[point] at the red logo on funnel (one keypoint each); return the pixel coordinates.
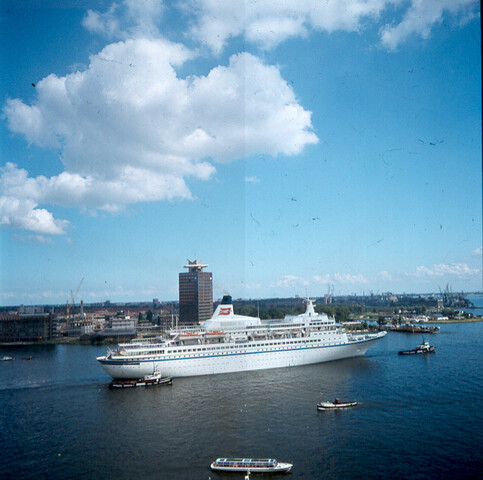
(225, 311)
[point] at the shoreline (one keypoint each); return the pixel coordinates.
(78, 341)
(466, 320)
(56, 341)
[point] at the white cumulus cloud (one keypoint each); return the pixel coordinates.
(443, 269)
(130, 18)
(385, 276)
(422, 15)
(24, 214)
(347, 278)
(34, 238)
(292, 281)
(130, 130)
(267, 23)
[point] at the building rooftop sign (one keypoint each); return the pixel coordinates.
(195, 266)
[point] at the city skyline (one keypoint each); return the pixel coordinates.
(330, 147)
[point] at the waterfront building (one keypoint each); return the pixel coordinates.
(26, 327)
(195, 293)
(31, 309)
(80, 325)
(121, 325)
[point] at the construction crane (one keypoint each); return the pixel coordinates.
(73, 295)
(71, 309)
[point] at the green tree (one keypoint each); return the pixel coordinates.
(274, 313)
(381, 320)
(420, 309)
(341, 313)
(448, 312)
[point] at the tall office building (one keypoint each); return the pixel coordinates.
(195, 293)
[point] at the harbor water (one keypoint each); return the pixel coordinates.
(419, 417)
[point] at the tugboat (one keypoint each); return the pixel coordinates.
(425, 347)
(152, 379)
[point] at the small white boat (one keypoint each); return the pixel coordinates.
(251, 465)
(6, 358)
(151, 379)
(336, 404)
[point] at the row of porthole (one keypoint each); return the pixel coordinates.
(206, 355)
(212, 353)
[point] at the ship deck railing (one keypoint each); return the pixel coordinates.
(253, 328)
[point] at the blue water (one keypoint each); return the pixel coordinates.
(419, 417)
(477, 301)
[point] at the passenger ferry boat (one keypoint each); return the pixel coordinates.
(234, 343)
(253, 465)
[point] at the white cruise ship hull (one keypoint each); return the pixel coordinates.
(239, 359)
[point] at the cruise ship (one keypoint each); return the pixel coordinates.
(235, 343)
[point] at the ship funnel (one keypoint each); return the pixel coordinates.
(226, 300)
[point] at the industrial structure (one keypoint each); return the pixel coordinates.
(195, 293)
(26, 327)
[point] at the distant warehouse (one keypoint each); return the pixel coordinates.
(26, 327)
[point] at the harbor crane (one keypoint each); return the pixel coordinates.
(72, 296)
